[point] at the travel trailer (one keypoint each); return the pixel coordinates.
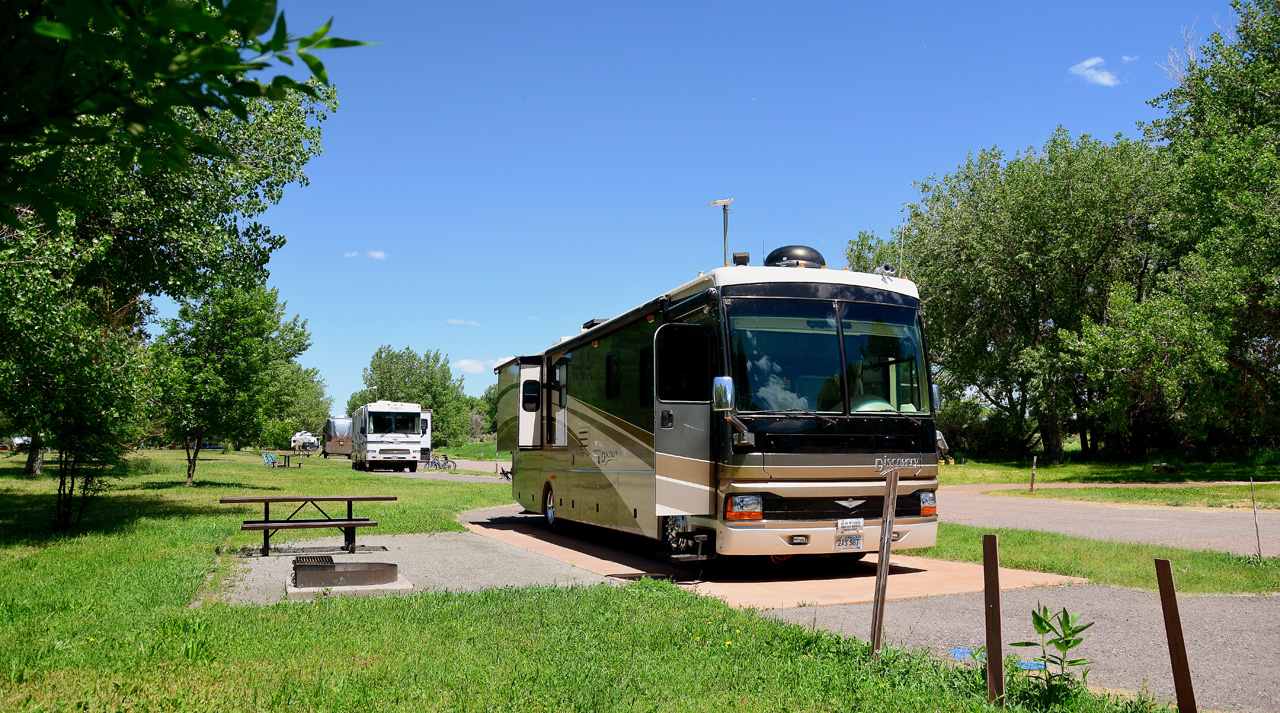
(304, 441)
(386, 436)
(424, 454)
(755, 410)
(336, 437)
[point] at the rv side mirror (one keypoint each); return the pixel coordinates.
(937, 399)
(722, 393)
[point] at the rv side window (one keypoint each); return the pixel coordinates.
(613, 374)
(646, 377)
(684, 363)
(531, 393)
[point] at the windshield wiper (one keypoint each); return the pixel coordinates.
(896, 412)
(806, 412)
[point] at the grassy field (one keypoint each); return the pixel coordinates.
(1117, 563)
(105, 619)
(476, 451)
(1014, 472)
(1207, 496)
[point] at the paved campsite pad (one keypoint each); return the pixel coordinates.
(451, 561)
(1233, 642)
(743, 582)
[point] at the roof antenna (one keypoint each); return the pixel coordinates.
(724, 204)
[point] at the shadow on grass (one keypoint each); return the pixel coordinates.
(199, 485)
(26, 519)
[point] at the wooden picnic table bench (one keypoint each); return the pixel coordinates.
(269, 527)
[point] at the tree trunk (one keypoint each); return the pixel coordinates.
(35, 457)
(192, 455)
(1051, 434)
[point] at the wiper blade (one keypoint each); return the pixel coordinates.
(805, 412)
(896, 412)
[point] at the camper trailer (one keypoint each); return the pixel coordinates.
(303, 441)
(336, 437)
(386, 436)
(755, 410)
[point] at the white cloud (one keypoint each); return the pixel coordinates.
(471, 322)
(476, 366)
(533, 318)
(1093, 73)
(377, 255)
(1128, 58)
(351, 253)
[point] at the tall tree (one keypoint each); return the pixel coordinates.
(296, 401)
(215, 363)
(1016, 255)
(1223, 133)
(425, 379)
(77, 73)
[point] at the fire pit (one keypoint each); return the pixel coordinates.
(322, 571)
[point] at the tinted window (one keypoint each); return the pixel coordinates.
(613, 374)
(530, 391)
(684, 363)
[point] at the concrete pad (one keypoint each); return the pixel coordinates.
(746, 582)
(400, 586)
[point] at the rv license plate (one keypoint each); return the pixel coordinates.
(848, 525)
(848, 542)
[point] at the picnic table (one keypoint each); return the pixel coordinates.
(269, 527)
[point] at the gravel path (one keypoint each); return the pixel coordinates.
(452, 561)
(1230, 531)
(1233, 642)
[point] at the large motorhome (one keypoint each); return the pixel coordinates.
(386, 436)
(751, 411)
(336, 439)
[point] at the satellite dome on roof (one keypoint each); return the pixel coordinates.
(795, 256)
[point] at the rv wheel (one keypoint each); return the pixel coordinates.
(672, 526)
(413, 467)
(549, 508)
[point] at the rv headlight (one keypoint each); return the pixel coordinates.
(928, 503)
(744, 507)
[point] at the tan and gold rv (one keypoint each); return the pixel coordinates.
(755, 410)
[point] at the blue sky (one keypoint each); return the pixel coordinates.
(499, 173)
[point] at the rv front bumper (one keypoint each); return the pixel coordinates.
(795, 538)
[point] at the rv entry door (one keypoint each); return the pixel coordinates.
(686, 475)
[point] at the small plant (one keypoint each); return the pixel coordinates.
(1060, 632)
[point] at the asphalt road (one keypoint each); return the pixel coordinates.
(1195, 529)
(1233, 642)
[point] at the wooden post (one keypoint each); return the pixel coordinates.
(1177, 647)
(1033, 473)
(1256, 532)
(995, 643)
(882, 564)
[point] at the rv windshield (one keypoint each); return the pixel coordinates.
(382, 422)
(786, 357)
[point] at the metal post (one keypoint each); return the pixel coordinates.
(882, 564)
(1256, 532)
(266, 534)
(725, 208)
(995, 643)
(1033, 473)
(1177, 647)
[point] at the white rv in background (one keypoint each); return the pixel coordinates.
(386, 436)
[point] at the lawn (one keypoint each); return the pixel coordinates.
(476, 451)
(105, 619)
(1206, 496)
(1121, 564)
(976, 472)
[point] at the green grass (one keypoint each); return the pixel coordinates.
(1120, 564)
(1209, 496)
(100, 620)
(1015, 472)
(476, 451)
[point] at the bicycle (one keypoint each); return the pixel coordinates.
(441, 462)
